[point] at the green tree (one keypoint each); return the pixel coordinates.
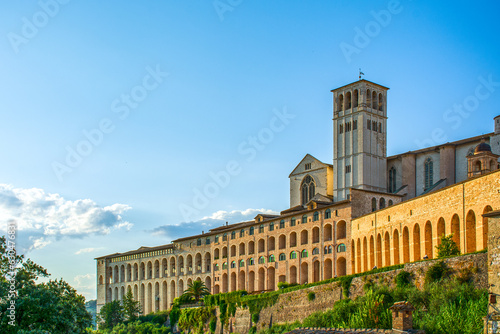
(110, 315)
(131, 308)
(197, 290)
(53, 306)
(447, 247)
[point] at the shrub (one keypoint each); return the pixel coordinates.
(311, 296)
(447, 247)
(255, 318)
(402, 279)
(437, 272)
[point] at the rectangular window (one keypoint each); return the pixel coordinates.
(341, 128)
(348, 168)
(368, 125)
(292, 222)
(308, 166)
(374, 127)
(355, 125)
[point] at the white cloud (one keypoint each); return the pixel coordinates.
(43, 218)
(88, 250)
(216, 219)
(84, 282)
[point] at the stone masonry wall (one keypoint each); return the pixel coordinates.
(295, 305)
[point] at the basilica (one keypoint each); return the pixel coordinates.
(363, 210)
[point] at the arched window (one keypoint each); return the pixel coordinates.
(391, 202)
(224, 237)
(233, 264)
(271, 226)
(262, 260)
(308, 189)
(292, 222)
(374, 204)
(348, 100)
(328, 214)
(224, 265)
(380, 102)
(477, 167)
(316, 216)
(315, 251)
(251, 230)
(355, 98)
(198, 242)
(293, 255)
(429, 173)
(251, 261)
(282, 257)
(382, 203)
(330, 249)
(368, 98)
(242, 233)
(216, 267)
(271, 258)
(341, 248)
(304, 219)
(392, 180)
(233, 234)
(341, 102)
(282, 223)
(216, 239)
(242, 263)
(261, 228)
(303, 254)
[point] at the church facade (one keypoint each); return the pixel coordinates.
(363, 210)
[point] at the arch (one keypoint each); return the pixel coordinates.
(136, 272)
(233, 282)
(341, 229)
(303, 237)
(315, 216)
(316, 273)
(271, 277)
(353, 257)
(164, 296)
(374, 100)
(251, 281)
(282, 223)
(164, 267)
(241, 280)
(477, 166)
(271, 244)
(441, 229)
(208, 261)
(328, 267)
(136, 292)
(181, 287)
(348, 101)
(261, 245)
(304, 219)
(156, 272)
(365, 254)
(341, 102)
(416, 242)
(172, 266)
(484, 226)
(390, 203)
(181, 264)
(315, 235)
(100, 279)
(149, 299)
(358, 256)
(304, 254)
(150, 270)
(156, 297)
(224, 252)
(380, 102)
(379, 251)
(115, 275)
(242, 248)
(395, 245)
(282, 257)
(327, 232)
(304, 271)
(293, 255)
(208, 283)
(143, 270)
(262, 279)
(251, 247)
(355, 97)
(172, 291)
(341, 266)
(406, 245)
(341, 248)
(372, 252)
(368, 98)
(455, 229)
(142, 298)
(225, 284)
(282, 241)
(470, 231)
(189, 263)
(428, 239)
(374, 204)
(293, 239)
(233, 250)
(308, 189)
(382, 203)
(315, 251)
(216, 289)
(328, 213)
(387, 244)
(293, 275)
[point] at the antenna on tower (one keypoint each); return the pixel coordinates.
(360, 74)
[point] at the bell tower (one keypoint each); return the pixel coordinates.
(359, 138)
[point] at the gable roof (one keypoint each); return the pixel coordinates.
(308, 156)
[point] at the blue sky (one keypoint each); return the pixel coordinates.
(171, 93)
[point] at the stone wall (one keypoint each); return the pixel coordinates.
(295, 305)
